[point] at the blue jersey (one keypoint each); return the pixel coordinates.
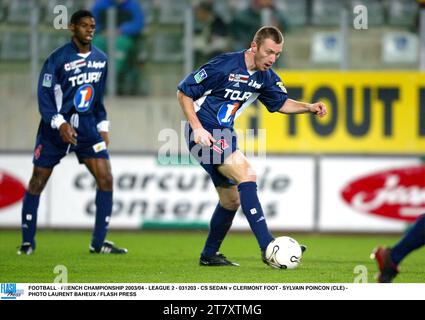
(223, 88)
(71, 82)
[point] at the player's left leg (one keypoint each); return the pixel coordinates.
(100, 168)
(220, 224)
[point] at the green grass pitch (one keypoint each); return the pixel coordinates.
(172, 257)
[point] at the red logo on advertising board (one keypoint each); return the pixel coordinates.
(397, 193)
(11, 189)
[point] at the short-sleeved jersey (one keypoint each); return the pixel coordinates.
(223, 88)
(71, 82)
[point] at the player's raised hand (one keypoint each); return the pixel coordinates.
(68, 134)
(318, 108)
(203, 137)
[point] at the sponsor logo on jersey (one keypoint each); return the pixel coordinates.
(83, 98)
(255, 84)
(200, 76)
(76, 64)
(226, 113)
(87, 77)
(96, 64)
(47, 80)
(238, 78)
(237, 95)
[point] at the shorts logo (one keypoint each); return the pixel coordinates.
(220, 146)
(37, 152)
(200, 76)
(99, 146)
(47, 80)
(83, 98)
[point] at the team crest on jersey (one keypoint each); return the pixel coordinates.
(47, 80)
(200, 76)
(238, 78)
(83, 98)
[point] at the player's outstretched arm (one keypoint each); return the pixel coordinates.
(201, 136)
(293, 106)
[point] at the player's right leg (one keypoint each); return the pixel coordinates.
(237, 168)
(38, 181)
(48, 152)
(220, 224)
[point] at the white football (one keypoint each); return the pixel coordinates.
(284, 253)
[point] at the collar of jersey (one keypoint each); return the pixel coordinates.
(76, 48)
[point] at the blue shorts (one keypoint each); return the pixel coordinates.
(50, 148)
(212, 157)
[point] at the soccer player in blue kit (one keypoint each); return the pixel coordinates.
(73, 119)
(211, 99)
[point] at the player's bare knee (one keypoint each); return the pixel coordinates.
(231, 204)
(36, 184)
(105, 182)
(249, 176)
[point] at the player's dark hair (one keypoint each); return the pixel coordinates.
(78, 15)
(268, 32)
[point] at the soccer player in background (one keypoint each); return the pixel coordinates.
(212, 98)
(73, 119)
(388, 259)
